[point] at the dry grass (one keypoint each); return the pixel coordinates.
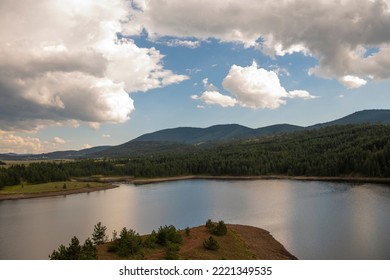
(240, 243)
(47, 187)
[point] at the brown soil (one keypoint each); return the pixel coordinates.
(262, 243)
(240, 243)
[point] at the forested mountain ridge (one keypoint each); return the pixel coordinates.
(361, 117)
(337, 151)
(190, 138)
(193, 135)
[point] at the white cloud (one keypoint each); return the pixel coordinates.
(352, 81)
(61, 63)
(106, 135)
(255, 87)
(336, 33)
(280, 71)
(59, 141)
(87, 146)
(251, 87)
(182, 43)
(300, 94)
(216, 98)
(12, 143)
(193, 70)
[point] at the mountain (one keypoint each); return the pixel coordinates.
(187, 138)
(194, 135)
(216, 133)
(69, 154)
(361, 117)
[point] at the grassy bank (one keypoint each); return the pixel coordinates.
(50, 189)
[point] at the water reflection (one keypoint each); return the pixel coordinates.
(314, 220)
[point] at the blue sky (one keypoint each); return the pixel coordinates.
(105, 72)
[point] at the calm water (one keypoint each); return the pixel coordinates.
(313, 220)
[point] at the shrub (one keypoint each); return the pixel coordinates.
(75, 251)
(88, 251)
(188, 231)
(128, 243)
(210, 225)
(218, 229)
(172, 251)
(168, 234)
(150, 241)
(114, 235)
(211, 244)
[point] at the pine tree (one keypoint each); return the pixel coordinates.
(99, 234)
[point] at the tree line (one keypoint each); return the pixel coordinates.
(350, 150)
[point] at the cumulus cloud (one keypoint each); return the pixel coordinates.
(337, 33)
(11, 143)
(58, 140)
(251, 87)
(300, 94)
(62, 63)
(255, 87)
(352, 81)
(216, 98)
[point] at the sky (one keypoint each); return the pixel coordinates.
(78, 74)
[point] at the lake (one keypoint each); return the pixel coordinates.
(313, 220)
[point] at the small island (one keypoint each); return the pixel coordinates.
(212, 241)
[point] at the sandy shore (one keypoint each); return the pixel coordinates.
(54, 193)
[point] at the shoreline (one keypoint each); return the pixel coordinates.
(54, 193)
(372, 180)
(146, 181)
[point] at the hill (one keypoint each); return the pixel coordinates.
(333, 151)
(240, 243)
(69, 154)
(187, 139)
(190, 138)
(361, 117)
